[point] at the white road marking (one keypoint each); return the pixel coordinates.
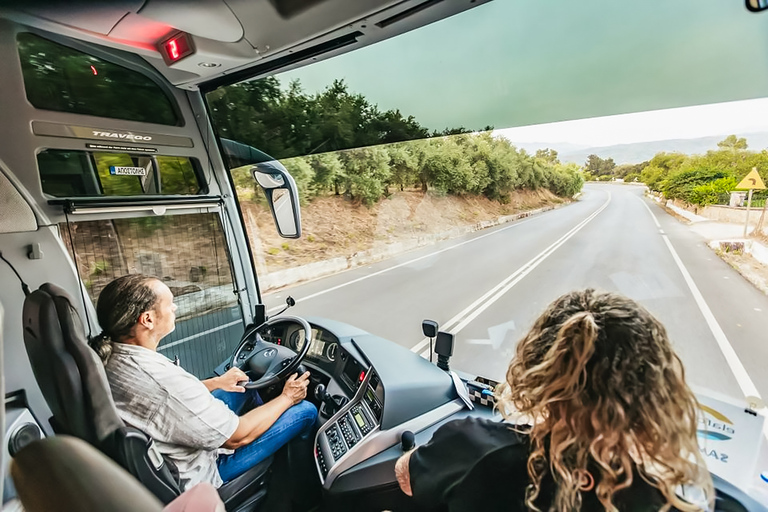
(748, 387)
(414, 260)
(458, 322)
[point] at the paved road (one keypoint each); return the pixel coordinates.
(488, 287)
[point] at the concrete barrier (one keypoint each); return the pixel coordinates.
(719, 213)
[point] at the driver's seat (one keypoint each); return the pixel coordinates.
(74, 384)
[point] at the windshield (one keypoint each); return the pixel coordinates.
(424, 195)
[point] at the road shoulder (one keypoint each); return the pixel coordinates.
(749, 257)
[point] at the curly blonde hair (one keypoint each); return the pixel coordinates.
(597, 378)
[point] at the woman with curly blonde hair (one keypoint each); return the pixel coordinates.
(612, 422)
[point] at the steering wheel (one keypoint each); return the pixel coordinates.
(269, 362)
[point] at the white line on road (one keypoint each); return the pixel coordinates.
(414, 260)
(748, 387)
(458, 322)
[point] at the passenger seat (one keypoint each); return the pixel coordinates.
(63, 473)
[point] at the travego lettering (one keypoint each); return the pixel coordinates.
(128, 136)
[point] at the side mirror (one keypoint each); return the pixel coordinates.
(282, 196)
(429, 328)
(756, 5)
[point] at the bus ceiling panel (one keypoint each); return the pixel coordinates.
(139, 29)
(96, 17)
(270, 32)
(232, 35)
(212, 19)
(136, 21)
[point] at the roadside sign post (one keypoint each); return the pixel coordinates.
(751, 181)
(749, 206)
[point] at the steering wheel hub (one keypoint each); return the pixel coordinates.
(269, 362)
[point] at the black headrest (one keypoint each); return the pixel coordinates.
(69, 373)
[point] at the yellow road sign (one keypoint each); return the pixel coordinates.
(751, 181)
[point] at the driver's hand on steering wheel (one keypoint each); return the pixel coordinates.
(295, 388)
(231, 380)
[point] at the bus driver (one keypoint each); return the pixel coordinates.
(212, 430)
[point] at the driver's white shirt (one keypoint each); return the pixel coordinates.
(173, 407)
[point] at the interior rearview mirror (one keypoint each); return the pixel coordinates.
(757, 5)
(282, 196)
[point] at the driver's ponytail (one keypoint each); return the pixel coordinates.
(102, 345)
(573, 348)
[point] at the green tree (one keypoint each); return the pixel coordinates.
(622, 170)
(599, 166)
(367, 171)
(404, 164)
(732, 143)
(548, 155)
(328, 172)
(302, 172)
(660, 167)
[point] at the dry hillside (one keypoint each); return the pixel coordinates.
(333, 226)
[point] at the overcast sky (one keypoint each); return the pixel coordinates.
(679, 123)
(515, 63)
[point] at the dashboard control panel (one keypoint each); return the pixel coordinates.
(352, 424)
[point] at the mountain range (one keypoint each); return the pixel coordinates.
(642, 151)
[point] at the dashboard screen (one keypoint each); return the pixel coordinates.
(359, 419)
(352, 372)
(323, 347)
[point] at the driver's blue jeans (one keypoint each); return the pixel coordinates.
(296, 421)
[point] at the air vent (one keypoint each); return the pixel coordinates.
(407, 13)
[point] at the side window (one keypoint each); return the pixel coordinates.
(189, 254)
(81, 174)
(60, 78)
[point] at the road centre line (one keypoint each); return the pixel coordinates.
(748, 387)
(461, 320)
(414, 260)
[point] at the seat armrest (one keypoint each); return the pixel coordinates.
(135, 452)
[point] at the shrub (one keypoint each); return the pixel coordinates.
(713, 192)
(681, 185)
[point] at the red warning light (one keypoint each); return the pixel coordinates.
(361, 378)
(176, 47)
(94, 71)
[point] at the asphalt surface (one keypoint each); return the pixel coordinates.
(488, 288)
